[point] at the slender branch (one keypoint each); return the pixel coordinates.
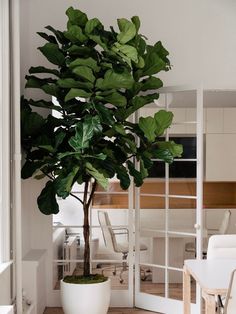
(47, 175)
(92, 192)
(71, 194)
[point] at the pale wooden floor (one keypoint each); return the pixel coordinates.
(58, 310)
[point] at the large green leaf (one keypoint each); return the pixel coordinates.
(123, 176)
(138, 178)
(59, 35)
(116, 99)
(44, 104)
(95, 123)
(83, 135)
(163, 120)
(135, 19)
(92, 24)
(98, 176)
(175, 149)
(148, 126)
(115, 80)
(153, 64)
(64, 182)
(49, 38)
(89, 62)
(105, 114)
(41, 69)
(151, 83)
(126, 51)
(47, 202)
(53, 53)
(31, 123)
(30, 167)
(71, 83)
(84, 72)
(75, 92)
(76, 17)
(75, 34)
(127, 30)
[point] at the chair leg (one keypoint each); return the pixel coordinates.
(124, 266)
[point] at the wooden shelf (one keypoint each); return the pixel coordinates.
(215, 195)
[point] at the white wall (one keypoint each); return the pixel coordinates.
(200, 35)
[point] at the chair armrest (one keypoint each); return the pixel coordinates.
(120, 231)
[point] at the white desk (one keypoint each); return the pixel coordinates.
(213, 276)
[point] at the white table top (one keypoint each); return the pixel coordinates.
(212, 275)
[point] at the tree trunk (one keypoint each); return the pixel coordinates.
(86, 241)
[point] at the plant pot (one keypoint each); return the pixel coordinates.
(85, 298)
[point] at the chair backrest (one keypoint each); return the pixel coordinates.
(225, 222)
(222, 247)
(107, 232)
(230, 302)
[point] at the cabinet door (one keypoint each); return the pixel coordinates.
(220, 157)
(229, 120)
(214, 120)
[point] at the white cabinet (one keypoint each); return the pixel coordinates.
(214, 120)
(220, 157)
(34, 279)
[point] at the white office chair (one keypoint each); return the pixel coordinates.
(190, 247)
(230, 302)
(222, 247)
(110, 234)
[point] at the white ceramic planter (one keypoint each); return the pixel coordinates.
(85, 298)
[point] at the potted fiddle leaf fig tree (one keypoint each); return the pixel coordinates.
(100, 78)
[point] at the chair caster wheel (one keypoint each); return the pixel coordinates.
(114, 273)
(121, 280)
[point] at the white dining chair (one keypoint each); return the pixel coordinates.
(230, 301)
(222, 247)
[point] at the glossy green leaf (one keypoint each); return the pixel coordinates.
(116, 99)
(84, 72)
(115, 80)
(29, 168)
(75, 92)
(175, 149)
(59, 35)
(41, 69)
(75, 34)
(123, 176)
(47, 202)
(49, 38)
(153, 64)
(138, 179)
(53, 53)
(148, 126)
(63, 183)
(135, 19)
(127, 30)
(151, 83)
(98, 176)
(32, 123)
(72, 83)
(76, 17)
(127, 51)
(83, 135)
(163, 120)
(92, 24)
(89, 62)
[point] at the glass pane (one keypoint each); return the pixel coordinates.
(180, 248)
(152, 185)
(153, 283)
(183, 187)
(175, 285)
(152, 219)
(177, 202)
(182, 220)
